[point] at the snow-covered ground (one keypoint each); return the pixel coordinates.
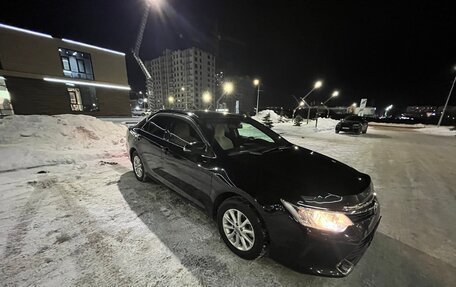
(72, 212)
(29, 141)
(282, 123)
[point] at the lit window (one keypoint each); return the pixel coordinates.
(66, 64)
(76, 64)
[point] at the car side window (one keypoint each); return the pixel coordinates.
(249, 131)
(182, 132)
(156, 126)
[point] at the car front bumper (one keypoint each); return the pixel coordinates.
(349, 128)
(312, 251)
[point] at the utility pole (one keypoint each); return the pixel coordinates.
(446, 103)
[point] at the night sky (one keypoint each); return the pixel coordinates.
(389, 52)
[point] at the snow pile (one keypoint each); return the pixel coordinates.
(275, 118)
(28, 141)
(412, 126)
(426, 129)
(438, 131)
(325, 124)
(288, 129)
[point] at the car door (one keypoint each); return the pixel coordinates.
(184, 171)
(150, 141)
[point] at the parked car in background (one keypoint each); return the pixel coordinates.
(268, 196)
(140, 112)
(352, 124)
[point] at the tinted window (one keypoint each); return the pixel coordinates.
(249, 131)
(182, 132)
(236, 134)
(156, 126)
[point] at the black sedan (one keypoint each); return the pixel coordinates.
(352, 124)
(268, 196)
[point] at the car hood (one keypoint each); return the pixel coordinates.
(297, 175)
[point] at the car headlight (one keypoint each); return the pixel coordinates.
(318, 218)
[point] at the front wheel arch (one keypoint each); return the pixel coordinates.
(132, 150)
(219, 200)
(261, 250)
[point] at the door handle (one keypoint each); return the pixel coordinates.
(165, 150)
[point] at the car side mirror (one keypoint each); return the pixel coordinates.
(195, 148)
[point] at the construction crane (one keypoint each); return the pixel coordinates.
(152, 100)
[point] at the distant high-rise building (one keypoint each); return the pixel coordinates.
(181, 78)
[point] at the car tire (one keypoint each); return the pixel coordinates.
(138, 167)
(365, 130)
(252, 235)
(358, 131)
(337, 131)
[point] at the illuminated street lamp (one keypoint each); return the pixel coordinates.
(144, 103)
(171, 100)
(256, 83)
(156, 4)
(228, 89)
(207, 98)
(447, 100)
(387, 109)
(317, 85)
(333, 95)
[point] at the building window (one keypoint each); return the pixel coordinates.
(81, 66)
(76, 64)
(66, 63)
(6, 108)
(83, 99)
(75, 99)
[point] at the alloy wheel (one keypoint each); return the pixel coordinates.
(238, 229)
(138, 167)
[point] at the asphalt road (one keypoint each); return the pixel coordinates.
(415, 179)
(92, 223)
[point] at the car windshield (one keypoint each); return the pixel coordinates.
(236, 135)
(353, 118)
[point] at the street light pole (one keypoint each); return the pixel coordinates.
(256, 82)
(333, 95)
(317, 85)
(447, 100)
(185, 96)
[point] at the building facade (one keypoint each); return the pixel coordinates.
(40, 74)
(182, 79)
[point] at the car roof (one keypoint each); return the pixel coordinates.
(201, 114)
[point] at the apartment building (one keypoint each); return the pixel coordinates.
(182, 79)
